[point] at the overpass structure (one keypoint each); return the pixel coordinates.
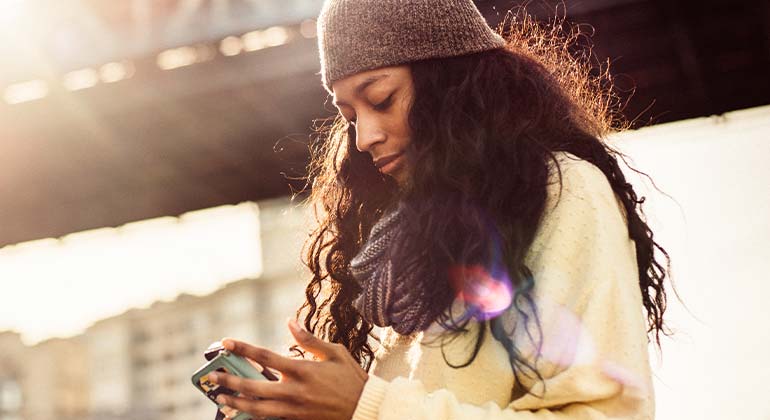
(114, 111)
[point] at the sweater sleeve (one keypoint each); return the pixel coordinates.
(593, 349)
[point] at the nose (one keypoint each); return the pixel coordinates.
(368, 134)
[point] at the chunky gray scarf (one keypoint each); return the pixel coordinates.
(390, 294)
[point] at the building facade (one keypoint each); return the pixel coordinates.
(138, 365)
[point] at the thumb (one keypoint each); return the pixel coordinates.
(321, 349)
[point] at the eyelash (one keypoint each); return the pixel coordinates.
(382, 106)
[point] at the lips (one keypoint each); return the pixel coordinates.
(379, 163)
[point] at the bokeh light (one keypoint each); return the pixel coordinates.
(486, 295)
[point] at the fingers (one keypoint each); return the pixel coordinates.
(261, 355)
(321, 349)
(258, 408)
(229, 412)
(256, 388)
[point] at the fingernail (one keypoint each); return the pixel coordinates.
(298, 329)
(213, 377)
(228, 344)
(220, 399)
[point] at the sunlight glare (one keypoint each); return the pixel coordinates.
(62, 285)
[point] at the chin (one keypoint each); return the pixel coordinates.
(401, 178)
(403, 181)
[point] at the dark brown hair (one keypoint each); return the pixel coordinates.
(483, 127)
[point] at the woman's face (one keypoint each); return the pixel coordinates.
(377, 103)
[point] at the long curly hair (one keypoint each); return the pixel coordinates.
(484, 127)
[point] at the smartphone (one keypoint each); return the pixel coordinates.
(222, 360)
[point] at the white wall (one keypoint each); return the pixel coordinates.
(717, 170)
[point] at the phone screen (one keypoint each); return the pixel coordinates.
(211, 389)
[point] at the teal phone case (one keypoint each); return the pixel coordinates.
(232, 364)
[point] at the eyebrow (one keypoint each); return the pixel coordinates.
(362, 86)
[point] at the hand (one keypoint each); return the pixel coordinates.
(327, 388)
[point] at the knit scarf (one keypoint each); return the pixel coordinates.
(390, 293)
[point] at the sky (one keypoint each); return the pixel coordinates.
(715, 227)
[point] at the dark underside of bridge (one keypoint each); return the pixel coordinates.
(236, 128)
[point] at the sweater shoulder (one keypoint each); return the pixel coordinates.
(578, 175)
(576, 182)
(581, 211)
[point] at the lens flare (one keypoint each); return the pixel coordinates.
(486, 295)
(633, 383)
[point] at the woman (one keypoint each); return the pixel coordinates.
(468, 206)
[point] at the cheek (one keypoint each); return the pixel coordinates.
(402, 129)
(404, 132)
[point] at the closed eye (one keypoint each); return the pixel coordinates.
(384, 104)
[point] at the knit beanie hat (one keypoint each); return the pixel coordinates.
(359, 35)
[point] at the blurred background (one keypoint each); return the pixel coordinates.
(150, 149)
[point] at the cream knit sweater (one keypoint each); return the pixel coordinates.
(593, 357)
